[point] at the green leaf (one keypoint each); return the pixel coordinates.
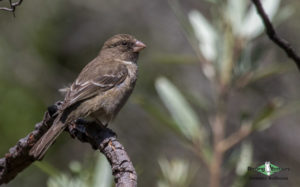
(245, 159)
(274, 110)
(176, 172)
(183, 114)
(236, 10)
(246, 63)
(102, 175)
(252, 25)
(156, 112)
(225, 60)
(269, 71)
(75, 166)
(199, 101)
(47, 168)
(266, 116)
(64, 180)
(205, 34)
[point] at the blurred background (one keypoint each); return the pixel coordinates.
(214, 96)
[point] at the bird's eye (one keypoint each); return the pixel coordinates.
(124, 43)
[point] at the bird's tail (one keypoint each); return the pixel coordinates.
(42, 145)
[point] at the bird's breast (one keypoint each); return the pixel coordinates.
(114, 99)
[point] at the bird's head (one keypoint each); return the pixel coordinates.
(124, 46)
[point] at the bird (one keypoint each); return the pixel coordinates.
(100, 90)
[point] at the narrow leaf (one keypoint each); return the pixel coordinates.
(102, 175)
(245, 158)
(185, 117)
(236, 10)
(205, 34)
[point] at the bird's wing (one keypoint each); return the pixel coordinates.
(105, 80)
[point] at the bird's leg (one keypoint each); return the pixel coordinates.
(54, 110)
(99, 122)
(80, 121)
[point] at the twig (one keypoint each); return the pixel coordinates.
(100, 138)
(235, 138)
(282, 43)
(12, 7)
(218, 154)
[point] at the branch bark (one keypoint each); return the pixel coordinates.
(98, 137)
(271, 32)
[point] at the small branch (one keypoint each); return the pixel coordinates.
(12, 7)
(235, 138)
(282, 43)
(218, 128)
(98, 137)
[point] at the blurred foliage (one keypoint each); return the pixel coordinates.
(175, 173)
(17, 101)
(46, 45)
(225, 52)
(186, 119)
(99, 175)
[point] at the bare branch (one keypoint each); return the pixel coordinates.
(282, 43)
(105, 140)
(13, 6)
(98, 137)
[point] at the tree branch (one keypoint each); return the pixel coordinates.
(271, 32)
(12, 7)
(98, 137)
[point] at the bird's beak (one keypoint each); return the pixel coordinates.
(138, 46)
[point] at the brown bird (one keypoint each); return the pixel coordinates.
(100, 90)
